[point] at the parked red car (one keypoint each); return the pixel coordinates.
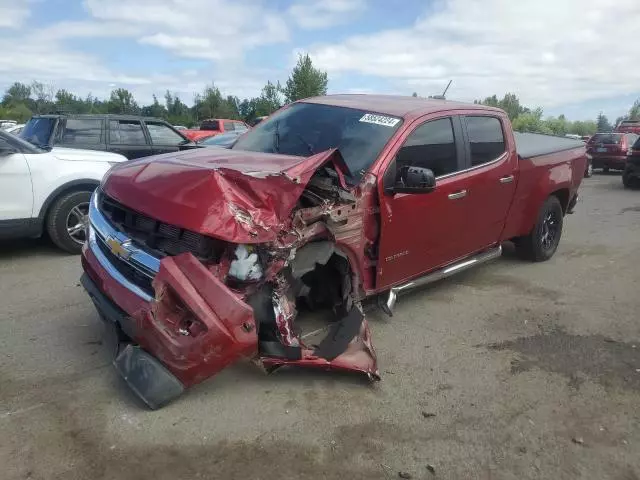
(203, 257)
(628, 126)
(215, 126)
(609, 150)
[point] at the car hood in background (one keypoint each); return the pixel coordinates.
(76, 154)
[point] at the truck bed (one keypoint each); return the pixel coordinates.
(535, 144)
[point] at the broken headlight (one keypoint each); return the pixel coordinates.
(246, 265)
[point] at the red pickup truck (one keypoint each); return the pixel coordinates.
(215, 126)
(199, 258)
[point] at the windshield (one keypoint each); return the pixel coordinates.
(305, 129)
(38, 130)
(607, 138)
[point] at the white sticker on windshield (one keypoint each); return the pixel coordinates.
(379, 120)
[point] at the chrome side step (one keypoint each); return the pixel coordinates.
(465, 264)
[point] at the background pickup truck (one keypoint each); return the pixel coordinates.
(219, 254)
(215, 126)
(128, 135)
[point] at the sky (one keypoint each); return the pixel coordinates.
(576, 57)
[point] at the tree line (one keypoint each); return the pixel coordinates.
(21, 101)
(525, 119)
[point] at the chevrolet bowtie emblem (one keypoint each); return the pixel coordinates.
(119, 249)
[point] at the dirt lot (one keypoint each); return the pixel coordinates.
(510, 371)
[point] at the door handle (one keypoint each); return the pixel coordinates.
(457, 195)
(507, 179)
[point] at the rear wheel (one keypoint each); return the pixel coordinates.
(629, 181)
(67, 220)
(542, 242)
(605, 169)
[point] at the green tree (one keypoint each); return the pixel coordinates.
(43, 96)
(603, 124)
(16, 94)
(531, 122)
(154, 110)
(634, 111)
(177, 112)
(121, 101)
(305, 81)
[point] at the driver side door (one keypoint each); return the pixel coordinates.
(423, 231)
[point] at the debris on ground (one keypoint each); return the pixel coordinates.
(577, 440)
(404, 475)
(431, 468)
(428, 414)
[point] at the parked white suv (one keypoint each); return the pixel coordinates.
(42, 189)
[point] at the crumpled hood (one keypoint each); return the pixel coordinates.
(238, 196)
(76, 154)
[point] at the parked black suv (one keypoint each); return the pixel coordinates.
(130, 135)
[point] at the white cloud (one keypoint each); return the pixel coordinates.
(316, 14)
(548, 52)
(13, 13)
(205, 29)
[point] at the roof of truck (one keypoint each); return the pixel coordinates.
(396, 105)
(118, 116)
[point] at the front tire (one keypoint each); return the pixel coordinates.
(542, 242)
(67, 220)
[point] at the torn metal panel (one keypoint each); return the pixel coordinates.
(196, 326)
(218, 194)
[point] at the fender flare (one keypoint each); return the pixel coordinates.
(61, 189)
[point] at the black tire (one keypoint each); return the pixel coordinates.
(605, 169)
(62, 212)
(542, 242)
(627, 181)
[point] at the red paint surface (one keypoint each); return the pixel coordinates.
(241, 197)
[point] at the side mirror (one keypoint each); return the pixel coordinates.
(412, 180)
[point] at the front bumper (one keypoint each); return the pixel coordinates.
(144, 374)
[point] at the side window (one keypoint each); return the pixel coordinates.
(240, 127)
(431, 145)
(161, 134)
(82, 131)
(486, 139)
(228, 126)
(126, 132)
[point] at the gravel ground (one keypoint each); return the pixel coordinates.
(510, 371)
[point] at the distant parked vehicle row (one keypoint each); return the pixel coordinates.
(215, 126)
(128, 135)
(14, 129)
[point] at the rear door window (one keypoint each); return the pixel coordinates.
(607, 138)
(486, 139)
(210, 125)
(126, 132)
(82, 131)
(228, 126)
(161, 134)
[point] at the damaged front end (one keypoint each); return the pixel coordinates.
(287, 292)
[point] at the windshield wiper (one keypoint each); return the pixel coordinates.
(276, 137)
(309, 146)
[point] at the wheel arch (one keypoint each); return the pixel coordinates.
(79, 185)
(562, 195)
